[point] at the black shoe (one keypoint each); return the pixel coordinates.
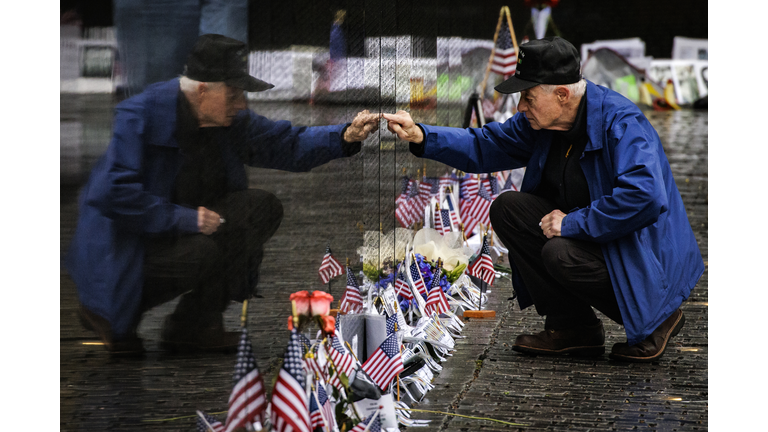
(653, 347)
(128, 345)
(187, 336)
(587, 341)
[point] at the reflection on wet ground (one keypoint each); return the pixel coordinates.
(334, 203)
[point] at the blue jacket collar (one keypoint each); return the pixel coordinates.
(161, 112)
(594, 97)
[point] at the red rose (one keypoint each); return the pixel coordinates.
(328, 324)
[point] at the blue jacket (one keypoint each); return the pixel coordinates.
(128, 195)
(636, 213)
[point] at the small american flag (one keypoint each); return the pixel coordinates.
(343, 361)
(478, 211)
(290, 405)
(468, 188)
(435, 189)
(438, 220)
(504, 58)
(416, 279)
(445, 217)
(392, 324)
(326, 407)
(215, 424)
(330, 267)
(467, 194)
(316, 417)
(385, 363)
(508, 183)
(436, 301)
(403, 213)
(416, 210)
(371, 424)
(493, 182)
(482, 267)
(402, 288)
(248, 398)
(404, 190)
(446, 181)
(352, 301)
(452, 210)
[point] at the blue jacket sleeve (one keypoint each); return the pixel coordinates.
(639, 195)
(494, 147)
(117, 189)
(278, 145)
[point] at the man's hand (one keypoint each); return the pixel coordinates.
(402, 125)
(363, 124)
(207, 221)
(550, 224)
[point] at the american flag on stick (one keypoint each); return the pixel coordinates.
(316, 417)
(478, 210)
(404, 191)
(290, 405)
(371, 424)
(436, 301)
(248, 398)
(504, 57)
(330, 267)
(342, 360)
(414, 275)
(482, 267)
(326, 407)
(392, 324)
(212, 424)
(455, 221)
(385, 363)
(437, 219)
(401, 286)
(352, 301)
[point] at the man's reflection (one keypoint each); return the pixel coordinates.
(167, 210)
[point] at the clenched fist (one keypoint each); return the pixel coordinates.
(207, 221)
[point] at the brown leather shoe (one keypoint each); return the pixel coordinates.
(181, 336)
(588, 341)
(653, 347)
(129, 345)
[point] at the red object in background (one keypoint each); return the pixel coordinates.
(537, 3)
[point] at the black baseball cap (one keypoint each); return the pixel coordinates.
(552, 60)
(217, 58)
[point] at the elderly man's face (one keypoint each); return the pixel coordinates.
(219, 103)
(543, 110)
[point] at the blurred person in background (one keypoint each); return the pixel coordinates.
(154, 37)
(167, 210)
(599, 221)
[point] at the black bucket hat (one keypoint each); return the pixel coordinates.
(552, 60)
(217, 58)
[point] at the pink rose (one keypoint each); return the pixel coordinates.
(301, 300)
(321, 303)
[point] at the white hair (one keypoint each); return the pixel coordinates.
(189, 85)
(577, 89)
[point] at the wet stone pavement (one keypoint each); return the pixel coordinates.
(334, 203)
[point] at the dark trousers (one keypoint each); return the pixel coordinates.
(565, 277)
(211, 270)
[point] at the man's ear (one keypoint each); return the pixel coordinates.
(562, 93)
